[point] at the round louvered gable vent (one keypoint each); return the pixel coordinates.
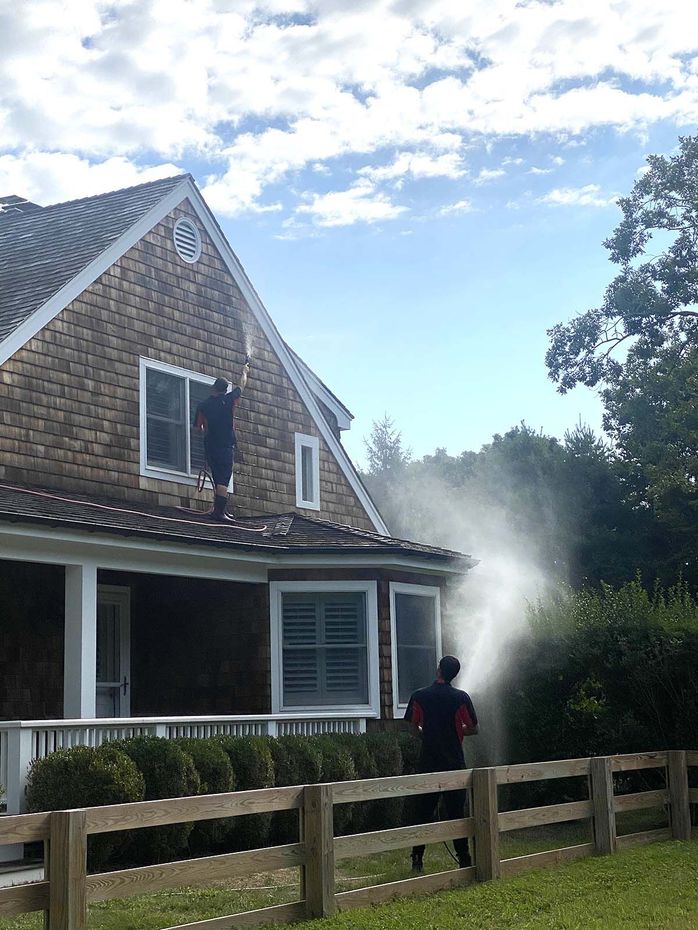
(187, 240)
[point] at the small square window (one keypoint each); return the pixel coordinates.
(307, 472)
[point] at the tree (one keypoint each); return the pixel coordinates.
(653, 301)
(652, 416)
(384, 448)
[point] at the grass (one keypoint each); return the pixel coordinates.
(565, 895)
(647, 888)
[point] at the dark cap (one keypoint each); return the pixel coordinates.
(221, 385)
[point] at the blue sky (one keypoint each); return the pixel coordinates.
(417, 188)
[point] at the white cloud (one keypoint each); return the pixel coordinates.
(258, 90)
(535, 170)
(488, 174)
(417, 165)
(587, 196)
(460, 206)
(359, 204)
(47, 177)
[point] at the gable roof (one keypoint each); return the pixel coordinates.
(278, 534)
(44, 248)
(114, 223)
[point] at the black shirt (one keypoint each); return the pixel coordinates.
(215, 414)
(441, 711)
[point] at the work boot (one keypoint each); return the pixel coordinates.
(417, 862)
(218, 513)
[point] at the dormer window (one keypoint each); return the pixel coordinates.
(307, 472)
(168, 398)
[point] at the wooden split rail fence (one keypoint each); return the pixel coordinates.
(68, 889)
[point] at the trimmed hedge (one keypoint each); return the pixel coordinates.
(216, 776)
(84, 777)
(253, 765)
(151, 768)
(169, 772)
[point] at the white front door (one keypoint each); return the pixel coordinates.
(113, 651)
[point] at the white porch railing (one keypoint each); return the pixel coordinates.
(22, 741)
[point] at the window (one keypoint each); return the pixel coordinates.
(307, 472)
(415, 614)
(324, 646)
(168, 398)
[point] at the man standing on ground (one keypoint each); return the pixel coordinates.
(442, 715)
(214, 418)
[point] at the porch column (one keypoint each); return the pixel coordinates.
(80, 662)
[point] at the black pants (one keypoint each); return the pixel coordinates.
(220, 463)
(425, 808)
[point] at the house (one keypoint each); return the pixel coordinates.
(123, 608)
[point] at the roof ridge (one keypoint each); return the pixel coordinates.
(121, 190)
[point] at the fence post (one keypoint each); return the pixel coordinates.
(318, 832)
(603, 804)
(67, 871)
(677, 772)
(486, 816)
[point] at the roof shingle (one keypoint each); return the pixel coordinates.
(43, 249)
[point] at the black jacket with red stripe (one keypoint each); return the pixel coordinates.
(441, 711)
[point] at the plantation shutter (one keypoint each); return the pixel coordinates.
(324, 649)
(166, 438)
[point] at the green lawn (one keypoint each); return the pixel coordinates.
(657, 884)
(649, 888)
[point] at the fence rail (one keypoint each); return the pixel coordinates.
(68, 889)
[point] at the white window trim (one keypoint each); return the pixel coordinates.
(312, 443)
(276, 591)
(421, 590)
(150, 471)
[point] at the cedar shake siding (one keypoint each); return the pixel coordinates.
(69, 402)
(197, 647)
(31, 641)
(191, 648)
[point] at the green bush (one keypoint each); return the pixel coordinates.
(85, 777)
(384, 748)
(366, 767)
(410, 747)
(306, 758)
(253, 764)
(169, 772)
(284, 825)
(216, 776)
(337, 765)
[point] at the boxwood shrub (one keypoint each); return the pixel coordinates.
(337, 765)
(168, 772)
(86, 777)
(253, 764)
(216, 776)
(385, 751)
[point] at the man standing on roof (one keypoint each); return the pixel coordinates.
(442, 716)
(214, 418)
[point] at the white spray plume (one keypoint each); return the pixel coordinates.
(487, 610)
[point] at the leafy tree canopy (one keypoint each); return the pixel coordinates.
(653, 300)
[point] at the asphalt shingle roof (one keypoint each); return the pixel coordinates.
(44, 248)
(272, 533)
